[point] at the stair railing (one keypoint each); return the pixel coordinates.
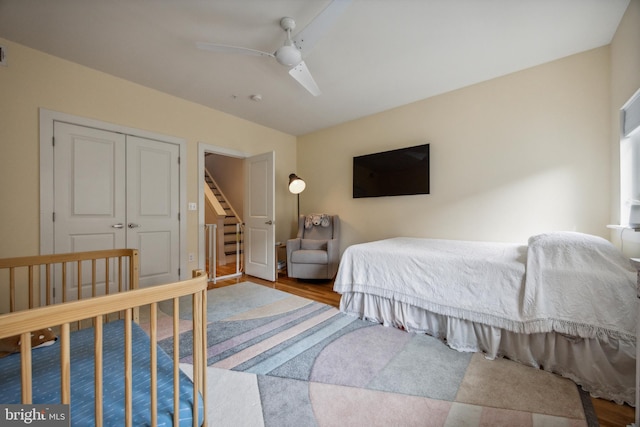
(235, 214)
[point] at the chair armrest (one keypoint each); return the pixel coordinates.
(333, 247)
(333, 255)
(292, 245)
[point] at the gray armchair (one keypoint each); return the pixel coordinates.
(315, 252)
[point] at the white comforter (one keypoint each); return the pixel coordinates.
(565, 282)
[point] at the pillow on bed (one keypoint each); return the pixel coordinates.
(314, 245)
(41, 338)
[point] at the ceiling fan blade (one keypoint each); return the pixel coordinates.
(214, 47)
(301, 73)
(306, 39)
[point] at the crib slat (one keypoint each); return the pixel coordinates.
(106, 275)
(79, 279)
(197, 356)
(31, 286)
(128, 375)
(79, 286)
(64, 282)
(94, 276)
(48, 282)
(65, 364)
(12, 289)
(120, 283)
(176, 361)
(97, 349)
(203, 376)
(26, 373)
(133, 280)
(153, 335)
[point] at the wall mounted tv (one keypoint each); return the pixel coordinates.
(400, 172)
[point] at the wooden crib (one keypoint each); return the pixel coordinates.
(101, 299)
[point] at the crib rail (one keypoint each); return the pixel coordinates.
(33, 276)
(97, 309)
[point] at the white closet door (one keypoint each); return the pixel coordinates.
(153, 203)
(89, 194)
(115, 191)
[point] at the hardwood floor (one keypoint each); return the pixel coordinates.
(609, 414)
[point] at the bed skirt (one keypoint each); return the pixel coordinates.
(570, 357)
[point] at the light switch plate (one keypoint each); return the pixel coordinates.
(193, 206)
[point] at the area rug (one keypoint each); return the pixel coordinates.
(276, 359)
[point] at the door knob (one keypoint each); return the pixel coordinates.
(133, 225)
(269, 222)
(117, 226)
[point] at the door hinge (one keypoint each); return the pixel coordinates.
(178, 159)
(178, 273)
(53, 217)
(53, 141)
(178, 216)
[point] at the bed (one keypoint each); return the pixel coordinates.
(88, 350)
(564, 302)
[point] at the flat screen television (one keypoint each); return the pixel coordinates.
(400, 172)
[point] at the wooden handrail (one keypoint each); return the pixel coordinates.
(23, 273)
(42, 317)
(27, 261)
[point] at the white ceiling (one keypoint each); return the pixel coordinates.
(380, 54)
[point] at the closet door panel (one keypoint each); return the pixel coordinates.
(153, 225)
(89, 188)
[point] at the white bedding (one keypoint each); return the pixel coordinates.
(475, 281)
(579, 285)
(563, 286)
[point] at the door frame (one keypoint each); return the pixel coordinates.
(47, 119)
(204, 148)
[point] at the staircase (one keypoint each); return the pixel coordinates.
(232, 225)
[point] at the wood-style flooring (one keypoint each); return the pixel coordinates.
(609, 414)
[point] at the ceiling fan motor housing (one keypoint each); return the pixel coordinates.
(288, 55)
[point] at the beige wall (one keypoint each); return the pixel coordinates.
(525, 153)
(35, 80)
(625, 81)
(522, 154)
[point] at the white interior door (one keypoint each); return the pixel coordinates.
(116, 191)
(153, 224)
(89, 188)
(259, 213)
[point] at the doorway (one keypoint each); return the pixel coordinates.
(258, 218)
(224, 212)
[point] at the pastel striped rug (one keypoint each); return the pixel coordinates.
(280, 360)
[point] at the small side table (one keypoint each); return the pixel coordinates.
(281, 262)
(636, 263)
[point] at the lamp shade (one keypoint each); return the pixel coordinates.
(296, 184)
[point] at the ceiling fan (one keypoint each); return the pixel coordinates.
(291, 52)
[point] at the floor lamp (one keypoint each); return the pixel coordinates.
(296, 186)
